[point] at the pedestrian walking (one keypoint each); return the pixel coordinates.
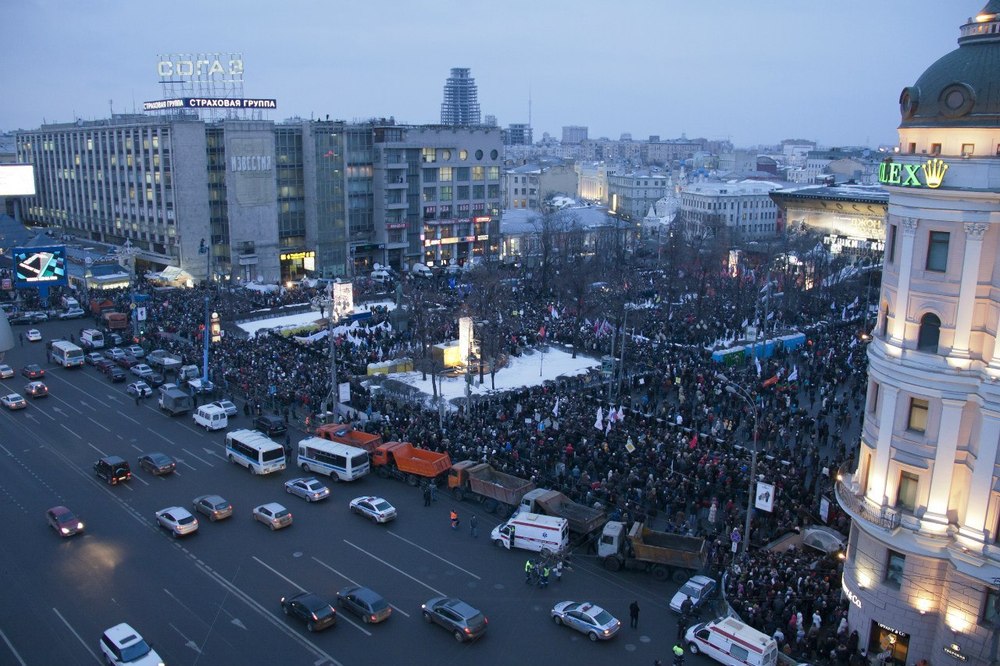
(529, 570)
(21, 338)
(137, 397)
(454, 519)
(682, 626)
(434, 490)
(427, 495)
(474, 526)
(633, 614)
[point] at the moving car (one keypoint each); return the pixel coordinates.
(63, 521)
(306, 606)
(270, 425)
(13, 401)
(178, 520)
(157, 463)
(116, 375)
(365, 603)
(113, 469)
(36, 389)
(33, 335)
(140, 388)
(33, 371)
(228, 406)
(273, 515)
(308, 489)
(463, 621)
(72, 313)
(697, 588)
(374, 508)
(6, 372)
(121, 644)
(213, 506)
(587, 618)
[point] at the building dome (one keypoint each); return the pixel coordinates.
(961, 89)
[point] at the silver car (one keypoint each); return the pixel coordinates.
(213, 506)
(273, 515)
(179, 521)
(587, 618)
(308, 488)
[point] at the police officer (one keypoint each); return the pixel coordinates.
(544, 580)
(678, 655)
(529, 569)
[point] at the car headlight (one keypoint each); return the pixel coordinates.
(64, 530)
(79, 526)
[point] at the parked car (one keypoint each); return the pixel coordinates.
(33, 371)
(121, 644)
(6, 372)
(273, 515)
(113, 469)
(365, 603)
(463, 621)
(93, 357)
(136, 351)
(140, 388)
(141, 370)
(587, 618)
(63, 521)
(116, 375)
(376, 509)
(227, 405)
(126, 361)
(157, 463)
(115, 339)
(311, 609)
(72, 313)
(177, 520)
(115, 353)
(213, 506)
(37, 390)
(104, 365)
(155, 380)
(13, 401)
(309, 489)
(270, 424)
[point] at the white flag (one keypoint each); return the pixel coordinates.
(555, 410)
(795, 374)
(756, 362)
(621, 413)
(599, 423)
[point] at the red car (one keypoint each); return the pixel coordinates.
(63, 521)
(33, 371)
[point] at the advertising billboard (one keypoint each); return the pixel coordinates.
(17, 180)
(39, 266)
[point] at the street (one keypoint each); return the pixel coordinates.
(213, 597)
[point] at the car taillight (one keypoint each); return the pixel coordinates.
(373, 618)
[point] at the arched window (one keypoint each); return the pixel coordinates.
(930, 332)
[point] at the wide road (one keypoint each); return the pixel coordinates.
(213, 598)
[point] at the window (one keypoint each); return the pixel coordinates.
(906, 494)
(894, 569)
(991, 608)
(968, 149)
(892, 243)
(884, 331)
(918, 415)
(445, 194)
(930, 333)
(935, 149)
(937, 251)
(428, 154)
(478, 173)
(873, 400)
(912, 148)
(444, 174)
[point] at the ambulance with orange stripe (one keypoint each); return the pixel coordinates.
(729, 641)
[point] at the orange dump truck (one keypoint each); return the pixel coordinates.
(402, 460)
(499, 492)
(337, 432)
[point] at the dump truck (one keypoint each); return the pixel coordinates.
(174, 401)
(99, 305)
(115, 321)
(338, 432)
(402, 460)
(663, 555)
(582, 519)
(163, 360)
(500, 493)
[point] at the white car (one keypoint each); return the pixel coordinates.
(139, 388)
(72, 313)
(13, 401)
(93, 357)
(141, 370)
(6, 372)
(178, 520)
(136, 351)
(227, 405)
(697, 588)
(33, 335)
(273, 515)
(309, 489)
(375, 508)
(121, 644)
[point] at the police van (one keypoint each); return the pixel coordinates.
(729, 641)
(533, 531)
(211, 417)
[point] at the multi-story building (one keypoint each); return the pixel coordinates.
(528, 185)
(923, 564)
(517, 134)
(253, 200)
(461, 99)
(592, 181)
(574, 134)
(631, 194)
(742, 211)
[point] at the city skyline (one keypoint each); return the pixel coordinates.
(831, 74)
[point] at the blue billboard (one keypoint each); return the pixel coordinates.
(39, 266)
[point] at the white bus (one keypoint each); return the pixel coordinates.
(66, 354)
(338, 461)
(255, 451)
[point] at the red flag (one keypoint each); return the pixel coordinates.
(541, 332)
(693, 443)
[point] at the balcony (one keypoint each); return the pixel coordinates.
(863, 509)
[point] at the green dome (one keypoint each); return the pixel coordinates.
(961, 89)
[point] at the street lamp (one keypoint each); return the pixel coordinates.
(739, 391)
(205, 249)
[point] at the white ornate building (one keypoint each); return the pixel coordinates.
(923, 565)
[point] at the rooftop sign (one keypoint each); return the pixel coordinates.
(908, 175)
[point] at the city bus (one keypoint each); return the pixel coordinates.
(66, 354)
(255, 451)
(338, 461)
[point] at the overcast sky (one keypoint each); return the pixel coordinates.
(752, 71)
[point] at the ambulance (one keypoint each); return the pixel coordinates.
(729, 641)
(533, 531)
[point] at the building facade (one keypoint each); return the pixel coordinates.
(743, 210)
(850, 218)
(631, 194)
(461, 99)
(574, 134)
(923, 565)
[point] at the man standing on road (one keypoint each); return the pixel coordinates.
(474, 526)
(137, 397)
(454, 519)
(633, 614)
(427, 495)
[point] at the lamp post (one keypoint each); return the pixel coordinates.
(205, 249)
(737, 390)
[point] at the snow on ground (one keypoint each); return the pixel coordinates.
(303, 318)
(522, 371)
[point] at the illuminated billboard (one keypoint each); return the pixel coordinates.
(209, 103)
(17, 180)
(39, 266)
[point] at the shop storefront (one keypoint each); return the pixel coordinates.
(885, 640)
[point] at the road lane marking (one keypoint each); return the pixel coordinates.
(302, 589)
(185, 463)
(353, 582)
(168, 441)
(379, 559)
(195, 456)
(448, 562)
(70, 627)
(98, 423)
(139, 478)
(128, 417)
(103, 454)
(70, 431)
(12, 649)
(43, 413)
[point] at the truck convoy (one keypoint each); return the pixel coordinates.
(402, 460)
(115, 321)
(342, 434)
(582, 519)
(663, 555)
(499, 493)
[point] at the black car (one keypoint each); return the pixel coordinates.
(157, 463)
(463, 621)
(113, 469)
(116, 375)
(270, 425)
(316, 613)
(155, 380)
(365, 603)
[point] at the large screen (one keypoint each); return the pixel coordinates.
(17, 180)
(36, 266)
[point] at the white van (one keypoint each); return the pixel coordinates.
(91, 338)
(381, 276)
(211, 417)
(729, 641)
(68, 302)
(533, 531)
(421, 271)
